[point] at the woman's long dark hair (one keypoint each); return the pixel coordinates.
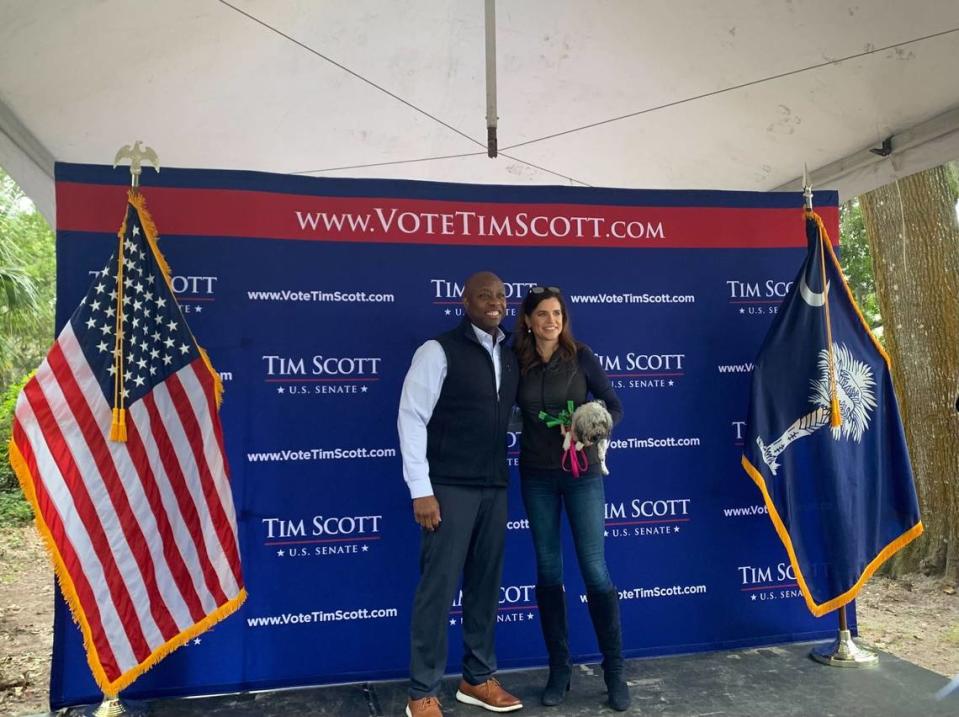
(524, 341)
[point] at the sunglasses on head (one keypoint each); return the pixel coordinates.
(544, 289)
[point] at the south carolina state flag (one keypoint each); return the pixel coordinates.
(118, 447)
(824, 441)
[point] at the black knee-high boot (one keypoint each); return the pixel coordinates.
(552, 616)
(604, 611)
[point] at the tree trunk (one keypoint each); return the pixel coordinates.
(914, 238)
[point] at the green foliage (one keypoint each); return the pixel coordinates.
(856, 260)
(27, 283)
(14, 508)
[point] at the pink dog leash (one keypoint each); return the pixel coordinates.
(574, 461)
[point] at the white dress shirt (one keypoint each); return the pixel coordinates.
(421, 391)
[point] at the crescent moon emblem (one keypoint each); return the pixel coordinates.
(811, 297)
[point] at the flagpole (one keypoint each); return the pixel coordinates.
(843, 651)
(112, 705)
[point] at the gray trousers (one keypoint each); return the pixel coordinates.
(469, 542)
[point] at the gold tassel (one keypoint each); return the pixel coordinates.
(118, 429)
(835, 418)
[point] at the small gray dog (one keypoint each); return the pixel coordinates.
(592, 424)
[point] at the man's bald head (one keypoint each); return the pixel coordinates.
(484, 297)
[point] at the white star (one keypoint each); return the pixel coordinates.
(136, 321)
(156, 336)
(154, 353)
(103, 346)
(112, 370)
(153, 370)
(138, 287)
(142, 363)
(447, 312)
(159, 318)
(742, 310)
(100, 287)
(136, 230)
(106, 328)
(137, 305)
(366, 548)
(91, 322)
(128, 282)
(605, 533)
(529, 615)
(671, 382)
(167, 360)
(148, 296)
(279, 389)
(280, 553)
(161, 302)
(198, 309)
(126, 393)
(150, 278)
(139, 380)
(364, 389)
(184, 349)
(196, 640)
(753, 596)
(171, 325)
(105, 271)
(95, 306)
(169, 342)
(452, 621)
(111, 311)
(113, 295)
(126, 299)
(676, 529)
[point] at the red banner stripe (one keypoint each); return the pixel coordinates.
(241, 213)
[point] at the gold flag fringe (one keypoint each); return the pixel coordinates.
(110, 687)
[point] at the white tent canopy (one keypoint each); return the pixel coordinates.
(619, 93)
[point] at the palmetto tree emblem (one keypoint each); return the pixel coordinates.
(855, 387)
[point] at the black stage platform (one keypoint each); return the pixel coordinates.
(780, 681)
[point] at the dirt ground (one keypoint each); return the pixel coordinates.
(914, 619)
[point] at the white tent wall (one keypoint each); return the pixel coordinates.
(689, 94)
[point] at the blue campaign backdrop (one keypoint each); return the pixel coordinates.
(312, 381)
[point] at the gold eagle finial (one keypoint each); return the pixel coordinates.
(137, 156)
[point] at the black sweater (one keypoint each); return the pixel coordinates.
(466, 434)
(547, 388)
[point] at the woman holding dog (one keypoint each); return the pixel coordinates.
(555, 370)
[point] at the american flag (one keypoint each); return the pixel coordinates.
(142, 532)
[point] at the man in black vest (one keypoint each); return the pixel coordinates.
(454, 412)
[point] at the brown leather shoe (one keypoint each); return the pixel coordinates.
(427, 706)
(490, 696)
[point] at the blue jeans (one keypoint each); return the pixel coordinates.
(545, 494)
